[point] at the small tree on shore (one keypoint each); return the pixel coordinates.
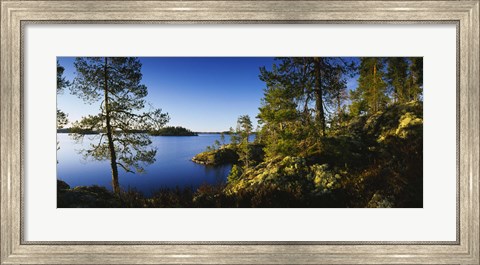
(244, 129)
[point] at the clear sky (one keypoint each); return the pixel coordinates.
(203, 94)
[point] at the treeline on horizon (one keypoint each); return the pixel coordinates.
(320, 144)
(165, 131)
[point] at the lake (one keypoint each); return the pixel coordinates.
(173, 166)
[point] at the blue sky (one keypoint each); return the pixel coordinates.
(205, 94)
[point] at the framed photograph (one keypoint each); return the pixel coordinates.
(240, 132)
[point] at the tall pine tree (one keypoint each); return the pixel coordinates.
(244, 129)
(301, 96)
(415, 80)
(371, 93)
(397, 76)
(115, 82)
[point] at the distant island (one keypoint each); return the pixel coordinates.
(165, 131)
(173, 131)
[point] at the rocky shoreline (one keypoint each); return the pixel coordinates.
(222, 156)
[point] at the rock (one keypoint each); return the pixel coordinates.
(85, 197)
(62, 185)
(222, 156)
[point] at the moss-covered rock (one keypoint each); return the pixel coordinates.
(380, 201)
(224, 155)
(85, 197)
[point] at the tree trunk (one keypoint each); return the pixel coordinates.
(306, 112)
(111, 147)
(318, 91)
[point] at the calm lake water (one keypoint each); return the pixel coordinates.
(172, 167)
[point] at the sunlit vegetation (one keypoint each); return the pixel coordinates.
(325, 147)
(226, 154)
(320, 142)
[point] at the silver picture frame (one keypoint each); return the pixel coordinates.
(16, 14)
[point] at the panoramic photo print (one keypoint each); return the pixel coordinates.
(239, 132)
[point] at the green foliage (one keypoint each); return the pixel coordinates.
(84, 197)
(116, 83)
(62, 119)
(371, 93)
(315, 147)
(370, 153)
(325, 181)
(301, 94)
(173, 131)
(379, 201)
(405, 78)
(235, 174)
(244, 130)
(416, 73)
(394, 168)
(234, 138)
(397, 76)
(62, 83)
(209, 196)
(222, 138)
(226, 154)
(378, 163)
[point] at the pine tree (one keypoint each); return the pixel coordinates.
(244, 129)
(301, 97)
(115, 82)
(62, 83)
(371, 93)
(415, 80)
(397, 76)
(278, 113)
(234, 138)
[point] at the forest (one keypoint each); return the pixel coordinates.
(319, 143)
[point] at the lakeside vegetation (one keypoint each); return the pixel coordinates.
(319, 144)
(173, 131)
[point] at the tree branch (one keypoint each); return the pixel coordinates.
(125, 168)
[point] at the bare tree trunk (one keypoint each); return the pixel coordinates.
(111, 147)
(306, 112)
(318, 91)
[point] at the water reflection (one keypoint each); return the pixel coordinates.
(172, 168)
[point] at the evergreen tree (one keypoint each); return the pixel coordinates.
(371, 93)
(222, 138)
(415, 80)
(417, 70)
(244, 129)
(62, 83)
(115, 82)
(234, 139)
(279, 114)
(397, 75)
(301, 97)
